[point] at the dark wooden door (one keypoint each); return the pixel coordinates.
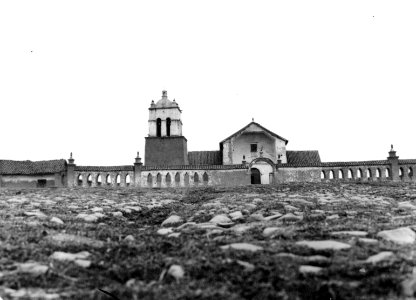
(255, 176)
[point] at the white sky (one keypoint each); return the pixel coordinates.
(333, 76)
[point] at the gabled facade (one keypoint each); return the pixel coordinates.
(251, 142)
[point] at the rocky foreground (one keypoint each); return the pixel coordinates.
(297, 241)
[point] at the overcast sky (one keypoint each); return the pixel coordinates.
(333, 76)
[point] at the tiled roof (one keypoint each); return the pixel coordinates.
(27, 167)
(195, 167)
(103, 168)
(303, 158)
(355, 163)
(257, 124)
(205, 158)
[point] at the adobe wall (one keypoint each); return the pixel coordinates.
(193, 178)
(25, 181)
(302, 174)
(368, 171)
(108, 178)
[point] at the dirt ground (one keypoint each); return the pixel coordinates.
(252, 242)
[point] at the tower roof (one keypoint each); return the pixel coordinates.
(165, 102)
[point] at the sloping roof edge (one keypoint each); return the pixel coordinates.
(265, 129)
(27, 167)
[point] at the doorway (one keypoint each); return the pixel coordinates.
(41, 183)
(255, 176)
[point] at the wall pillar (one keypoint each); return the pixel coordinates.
(137, 171)
(123, 179)
(393, 159)
(58, 180)
(70, 172)
(382, 173)
(336, 174)
(364, 174)
(84, 180)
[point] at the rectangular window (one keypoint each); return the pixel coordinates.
(253, 147)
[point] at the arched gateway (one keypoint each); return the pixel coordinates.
(262, 170)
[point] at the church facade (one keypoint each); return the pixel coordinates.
(252, 155)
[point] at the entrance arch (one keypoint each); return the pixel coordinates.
(255, 176)
(266, 169)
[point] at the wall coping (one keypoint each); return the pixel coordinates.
(195, 167)
(339, 164)
(103, 168)
(356, 163)
(407, 161)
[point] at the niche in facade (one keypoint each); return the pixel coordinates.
(168, 122)
(158, 127)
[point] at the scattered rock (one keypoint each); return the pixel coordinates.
(379, 257)
(247, 266)
(187, 224)
(176, 272)
(257, 200)
(332, 217)
(237, 215)
(406, 205)
(65, 256)
(242, 246)
(226, 225)
(271, 231)
(315, 259)
(83, 263)
(134, 208)
(220, 219)
(324, 245)
(173, 220)
(174, 234)
(57, 220)
(409, 285)
(368, 241)
(242, 228)
(129, 238)
(353, 233)
(117, 214)
(290, 208)
(290, 218)
(402, 236)
(165, 231)
(90, 217)
(305, 269)
(255, 217)
(64, 239)
(30, 293)
(97, 209)
(37, 214)
(273, 217)
(32, 268)
(302, 202)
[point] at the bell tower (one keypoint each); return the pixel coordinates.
(165, 145)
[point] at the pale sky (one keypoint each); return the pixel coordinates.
(333, 76)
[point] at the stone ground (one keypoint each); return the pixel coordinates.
(295, 241)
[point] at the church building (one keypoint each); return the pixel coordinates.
(254, 147)
(252, 155)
